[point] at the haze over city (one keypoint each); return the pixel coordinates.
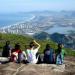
(35, 5)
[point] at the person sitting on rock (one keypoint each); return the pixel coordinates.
(48, 55)
(31, 52)
(15, 53)
(6, 50)
(60, 54)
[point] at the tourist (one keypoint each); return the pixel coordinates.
(32, 51)
(48, 55)
(60, 54)
(6, 50)
(16, 53)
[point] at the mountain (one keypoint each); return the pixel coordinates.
(42, 36)
(67, 40)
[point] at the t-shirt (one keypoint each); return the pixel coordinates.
(48, 56)
(63, 53)
(6, 50)
(47, 52)
(60, 57)
(16, 50)
(31, 55)
(14, 54)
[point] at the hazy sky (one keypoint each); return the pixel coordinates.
(32, 5)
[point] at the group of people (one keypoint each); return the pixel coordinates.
(54, 57)
(31, 54)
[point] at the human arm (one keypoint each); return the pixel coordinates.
(25, 55)
(37, 44)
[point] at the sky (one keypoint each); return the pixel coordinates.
(35, 5)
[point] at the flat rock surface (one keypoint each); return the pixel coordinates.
(38, 69)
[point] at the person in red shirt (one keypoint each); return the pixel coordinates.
(15, 53)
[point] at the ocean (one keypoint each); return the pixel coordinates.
(10, 19)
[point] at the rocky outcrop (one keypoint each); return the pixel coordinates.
(38, 69)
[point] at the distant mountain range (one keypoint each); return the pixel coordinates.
(67, 40)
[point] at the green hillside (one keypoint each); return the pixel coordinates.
(25, 40)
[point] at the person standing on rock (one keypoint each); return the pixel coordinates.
(6, 50)
(32, 51)
(48, 55)
(60, 54)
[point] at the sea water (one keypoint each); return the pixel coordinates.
(60, 29)
(10, 19)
